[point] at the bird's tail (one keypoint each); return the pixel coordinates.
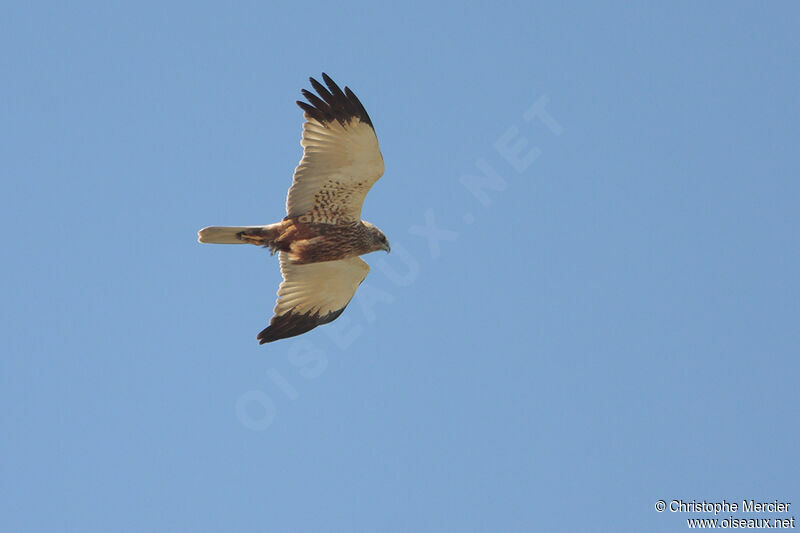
(259, 235)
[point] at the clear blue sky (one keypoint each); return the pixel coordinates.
(609, 319)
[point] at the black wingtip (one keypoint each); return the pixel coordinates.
(292, 324)
(333, 104)
(321, 90)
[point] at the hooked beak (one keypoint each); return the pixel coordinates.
(387, 247)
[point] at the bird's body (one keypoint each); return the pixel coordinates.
(314, 242)
(322, 236)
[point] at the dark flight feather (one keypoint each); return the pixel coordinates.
(293, 324)
(333, 104)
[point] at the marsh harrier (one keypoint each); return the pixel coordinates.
(322, 236)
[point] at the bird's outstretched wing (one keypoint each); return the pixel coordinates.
(341, 158)
(312, 294)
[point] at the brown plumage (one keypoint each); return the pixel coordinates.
(314, 242)
(322, 236)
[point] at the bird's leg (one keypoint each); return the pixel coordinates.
(260, 237)
(256, 236)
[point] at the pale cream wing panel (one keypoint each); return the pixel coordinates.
(340, 163)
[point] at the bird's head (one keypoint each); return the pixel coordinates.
(377, 238)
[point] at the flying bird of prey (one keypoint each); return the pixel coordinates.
(322, 236)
